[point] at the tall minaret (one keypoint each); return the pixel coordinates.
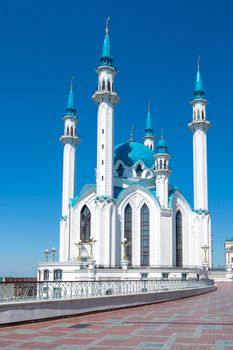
(106, 98)
(149, 137)
(162, 172)
(199, 126)
(70, 139)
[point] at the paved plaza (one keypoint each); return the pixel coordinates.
(202, 322)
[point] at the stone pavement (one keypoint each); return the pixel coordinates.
(202, 322)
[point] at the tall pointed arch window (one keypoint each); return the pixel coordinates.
(128, 232)
(85, 224)
(120, 170)
(145, 236)
(109, 85)
(139, 170)
(179, 250)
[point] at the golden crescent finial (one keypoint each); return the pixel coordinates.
(107, 20)
(198, 63)
(162, 133)
(131, 133)
(71, 83)
(149, 106)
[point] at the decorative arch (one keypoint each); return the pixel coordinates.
(179, 239)
(120, 170)
(128, 231)
(145, 236)
(85, 224)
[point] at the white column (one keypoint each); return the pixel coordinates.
(200, 169)
(162, 172)
(199, 126)
(104, 174)
(68, 185)
(106, 98)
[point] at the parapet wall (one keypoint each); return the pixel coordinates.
(39, 310)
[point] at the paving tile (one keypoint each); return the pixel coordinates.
(202, 322)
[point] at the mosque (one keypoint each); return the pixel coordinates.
(132, 223)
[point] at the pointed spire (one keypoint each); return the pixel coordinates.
(198, 91)
(149, 130)
(162, 144)
(70, 109)
(106, 59)
(131, 134)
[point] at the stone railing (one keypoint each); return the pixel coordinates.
(37, 291)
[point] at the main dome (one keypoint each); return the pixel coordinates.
(130, 152)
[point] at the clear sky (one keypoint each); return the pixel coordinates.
(155, 45)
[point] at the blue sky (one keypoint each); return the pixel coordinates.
(155, 45)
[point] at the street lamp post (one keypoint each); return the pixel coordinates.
(46, 254)
(53, 251)
(228, 252)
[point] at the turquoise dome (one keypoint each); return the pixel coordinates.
(130, 152)
(161, 146)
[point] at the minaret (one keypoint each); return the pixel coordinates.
(106, 98)
(162, 172)
(199, 126)
(149, 137)
(70, 139)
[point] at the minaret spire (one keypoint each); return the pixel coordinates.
(106, 98)
(198, 91)
(107, 20)
(70, 109)
(70, 139)
(199, 126)
(131, 134)
(106, 59)
(149, 137)
(162, 171)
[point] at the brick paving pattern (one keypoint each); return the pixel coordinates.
(202, 322)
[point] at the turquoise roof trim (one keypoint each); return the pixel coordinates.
(131, 152)
(73, 201)
(84, 189)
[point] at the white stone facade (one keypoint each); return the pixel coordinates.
(132, 217)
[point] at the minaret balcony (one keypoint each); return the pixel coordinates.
(199, 124)
(165, 172)
(70, 139)
(105, 96)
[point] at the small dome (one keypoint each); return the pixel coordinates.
(161, 146)
(130, 152)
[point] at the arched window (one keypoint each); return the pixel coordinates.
(85, 224)
(139, 170)
(109, 85)
(120, 171)
(179, 253)
(71, 130)
(160, 164)
(145, 236)
(128, 232)
(46, 275)
(103, 85)
(57, 275)
(68, 130)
